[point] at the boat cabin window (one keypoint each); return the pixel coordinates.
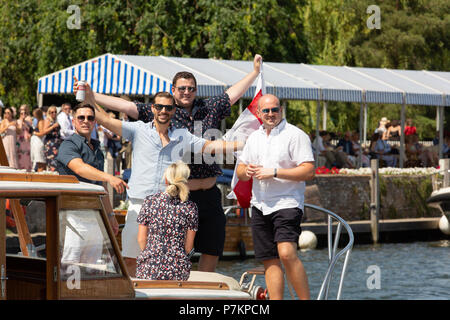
(31, 224)
(85, 248)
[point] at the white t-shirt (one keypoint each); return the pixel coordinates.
(286, 147)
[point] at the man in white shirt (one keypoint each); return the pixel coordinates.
(65, 121)
(279, 157)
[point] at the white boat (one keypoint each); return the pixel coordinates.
(440, 199)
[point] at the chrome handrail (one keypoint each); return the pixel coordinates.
(334, 256)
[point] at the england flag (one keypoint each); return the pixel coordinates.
(247, 123)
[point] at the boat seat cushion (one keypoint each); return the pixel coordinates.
(210, 277)
(214, 277)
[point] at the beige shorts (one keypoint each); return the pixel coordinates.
(130, 246)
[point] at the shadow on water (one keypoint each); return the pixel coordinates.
(391, 271)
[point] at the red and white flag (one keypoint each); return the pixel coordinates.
(247, 122)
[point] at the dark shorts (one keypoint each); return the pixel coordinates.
(279, 226)
(210, 237)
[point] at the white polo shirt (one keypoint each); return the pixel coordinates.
(285, 147)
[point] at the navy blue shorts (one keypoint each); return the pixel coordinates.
(279, 226)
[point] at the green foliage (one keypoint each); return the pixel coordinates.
(414, 34)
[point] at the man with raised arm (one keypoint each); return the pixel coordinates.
(155, 146)
(79, 155)
(210, 237)
(279, 158)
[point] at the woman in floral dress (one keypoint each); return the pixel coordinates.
(168, 222)
(52, 139)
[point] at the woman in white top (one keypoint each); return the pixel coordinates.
(382, 130)
(36, 143)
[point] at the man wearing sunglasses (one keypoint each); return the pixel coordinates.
(210, 238)
(278, 156)
(80, 156)
(155, 146)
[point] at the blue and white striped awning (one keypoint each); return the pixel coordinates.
(146, 75)
(106, 74)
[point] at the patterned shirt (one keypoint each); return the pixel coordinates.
(210, 112)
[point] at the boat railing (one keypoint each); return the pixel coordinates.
(333, 253)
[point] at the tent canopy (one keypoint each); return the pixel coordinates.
(146, 75)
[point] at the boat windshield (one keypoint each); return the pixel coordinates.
(85, 248)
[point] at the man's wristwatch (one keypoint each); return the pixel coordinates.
(275, 172)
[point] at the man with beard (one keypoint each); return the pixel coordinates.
(210, 112)
(155, 146)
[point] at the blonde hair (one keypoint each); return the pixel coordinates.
(177, 175)
(51, 108)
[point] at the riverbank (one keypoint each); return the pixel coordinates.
(390, 231)
(401, 197)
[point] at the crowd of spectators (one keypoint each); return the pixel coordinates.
(31, 142)
(343, 150)
(31, 137)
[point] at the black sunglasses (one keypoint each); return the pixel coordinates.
(83, 118)
(183, 89)
(159, 107)
(274, 110)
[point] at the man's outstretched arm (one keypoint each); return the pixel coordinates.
(87, 171)
(109, 102)
(236, 91)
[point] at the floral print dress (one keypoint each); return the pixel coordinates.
(52, 141)
(167, 220)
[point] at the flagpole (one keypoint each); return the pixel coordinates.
(247, 122)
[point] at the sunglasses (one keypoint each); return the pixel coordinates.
(84, 118)
(168, 108)
(274, 110)
(183, 89)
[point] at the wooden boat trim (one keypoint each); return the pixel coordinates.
(47, 193)
(80, 202)
(34, 177)
(174, 284)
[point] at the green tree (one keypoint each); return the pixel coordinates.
(36, 41)
(414, 35)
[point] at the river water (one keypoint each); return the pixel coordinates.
(394, 271)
